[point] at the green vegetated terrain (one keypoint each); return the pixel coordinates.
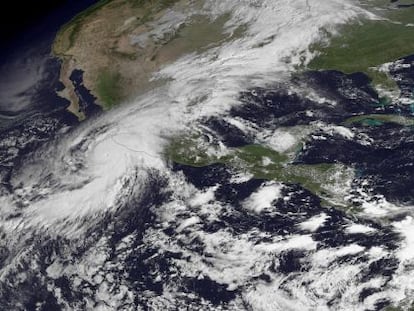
(359, 47)
(367, 44)
(326, 180)
(113, 44)
(108, 87)
(378, 120)
(410, 308)
(265, 163)
(95, 48)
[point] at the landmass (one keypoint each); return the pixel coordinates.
(119, 44)
(370, 44)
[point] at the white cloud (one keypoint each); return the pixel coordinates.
(263, 199)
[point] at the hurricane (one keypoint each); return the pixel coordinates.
(225, 186)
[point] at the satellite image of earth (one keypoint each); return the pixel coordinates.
(207, 155)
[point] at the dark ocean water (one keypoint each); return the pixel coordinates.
(140, 247)
(27, 23)
(86, 99)
(29, 75)
(31, 112)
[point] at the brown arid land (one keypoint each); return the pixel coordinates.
(119, 44)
